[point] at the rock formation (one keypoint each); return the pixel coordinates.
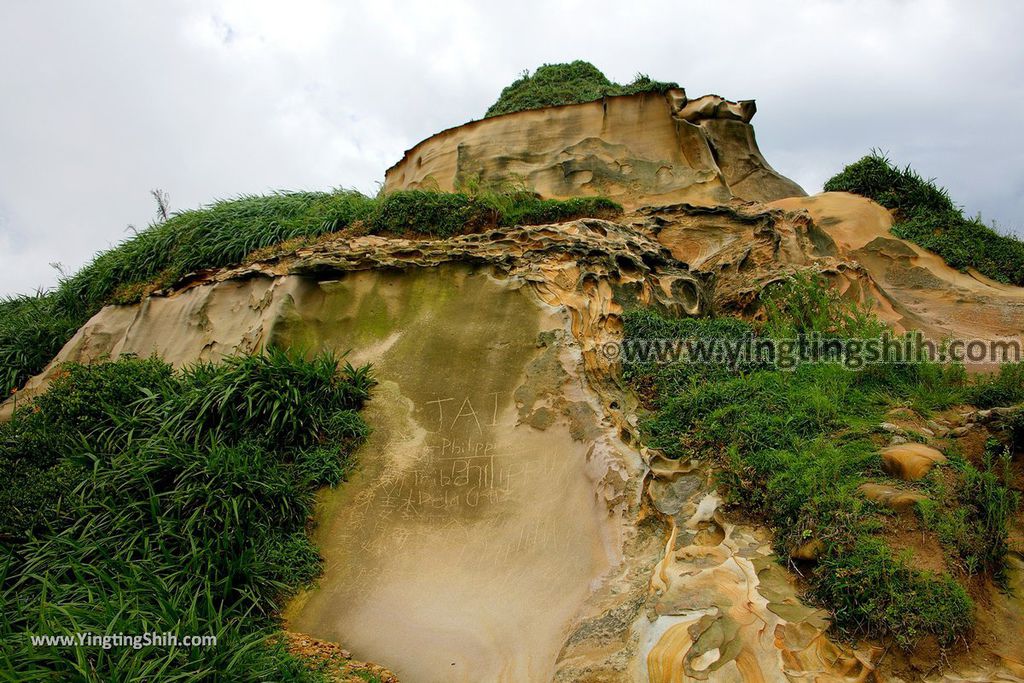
(638, 149)
(506, 522)
(911, 461)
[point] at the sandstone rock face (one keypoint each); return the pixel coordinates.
(711, 107)
(482, 506)
(910, 287)
(580, 265)
(721, 608)
(638, 149)
(911, 461)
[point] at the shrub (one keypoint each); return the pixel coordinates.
(83, 401)
(876, 593)
(973, 520)
(571, 83)
(171, 513)
(1004, 388)
(276, 393)
(927, 216)
(902, 190)
(443, 214)
(427, 212)
(539, 211)
(32, 330)
(804, 304)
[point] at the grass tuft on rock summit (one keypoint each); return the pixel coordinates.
(570, 83)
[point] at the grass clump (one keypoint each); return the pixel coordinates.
(174, 501)
(570, 83)
(866, 585)
(972, 516)
(927, 216)
(792, 447)
(1006, 388)
(214, 236)
(443, 214)
(34, 328)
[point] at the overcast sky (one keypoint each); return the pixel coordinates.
(102, 101)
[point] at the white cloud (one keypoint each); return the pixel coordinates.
(104, 101)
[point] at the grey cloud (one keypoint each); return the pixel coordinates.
(103, 101)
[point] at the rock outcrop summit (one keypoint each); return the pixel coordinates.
(642, 149)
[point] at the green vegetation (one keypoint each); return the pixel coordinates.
(572, 83)
(871, 590)
(136, 499)
(443, 214)
(793, 446)
(1006, 388)
(971, 512)
(927, 216)
(34, 328)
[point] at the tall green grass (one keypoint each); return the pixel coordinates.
(927, 216)
(174, 502)
(972, 518)
(34, 328)
(443, 214)
(793, 446)
(570, 83)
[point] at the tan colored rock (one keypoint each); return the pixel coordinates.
(809, 551)
(729, 612)
(715, 107)
(335, 662)
(470, 520)
(573, 266)
(908, 286)
(638, 149)
(891, 497)
(910, 461)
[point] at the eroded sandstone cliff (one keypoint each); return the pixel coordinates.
(507, 523)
